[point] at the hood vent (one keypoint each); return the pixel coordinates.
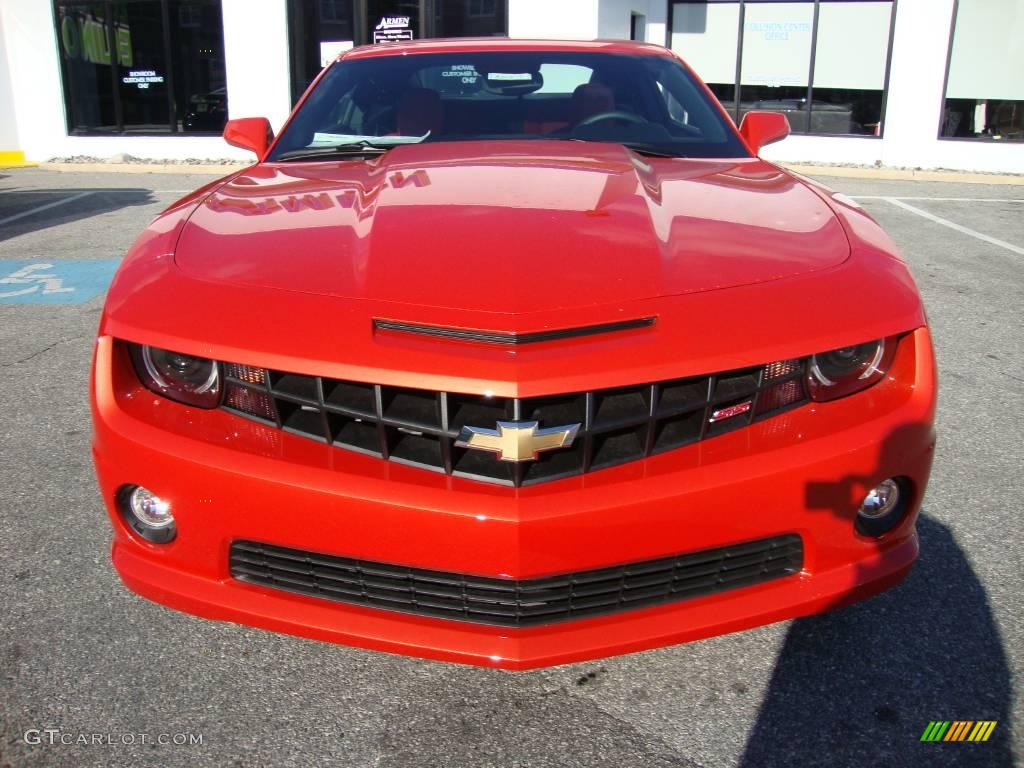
(499, 337)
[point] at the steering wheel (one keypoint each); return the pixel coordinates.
(614, 114)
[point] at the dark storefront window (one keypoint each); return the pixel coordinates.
(824, 63)
(320, 29)
(984, 86)
(470, 18)
(142, 66)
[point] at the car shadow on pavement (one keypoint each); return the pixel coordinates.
(859, 685)
(23, 211)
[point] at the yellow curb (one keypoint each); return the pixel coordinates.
(901, 174)
(14, 159)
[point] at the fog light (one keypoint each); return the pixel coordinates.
(147, 514)
(882, 508)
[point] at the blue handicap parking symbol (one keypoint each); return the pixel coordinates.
(54, 281)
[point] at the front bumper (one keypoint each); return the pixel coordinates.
(803, 472)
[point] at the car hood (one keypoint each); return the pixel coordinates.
(510, 227)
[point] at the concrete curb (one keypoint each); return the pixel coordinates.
(849, 172)
(180, 168)
(903, 174)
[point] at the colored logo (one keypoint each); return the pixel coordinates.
(959, 730)
(517, 440)
(61, 281)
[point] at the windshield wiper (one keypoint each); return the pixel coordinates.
(637, 146)
(359, 149)
(363, 147)
(648, 151)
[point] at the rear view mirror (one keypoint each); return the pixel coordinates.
(252, 133)
(760, 129)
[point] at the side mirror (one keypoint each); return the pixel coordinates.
(759, 129)
(252, 133)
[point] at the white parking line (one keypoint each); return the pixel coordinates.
(943, 199)
(41, 208)
(953, 225)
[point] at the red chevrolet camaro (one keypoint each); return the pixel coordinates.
(512, 353)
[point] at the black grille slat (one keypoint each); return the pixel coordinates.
(291, 385)
(736, 385)
(512, 603)
(349, 397)
(419, 427)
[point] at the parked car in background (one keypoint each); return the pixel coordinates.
(207, 111)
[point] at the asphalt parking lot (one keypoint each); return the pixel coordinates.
(858, 686)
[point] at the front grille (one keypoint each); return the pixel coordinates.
(512, 603)
(420, 427)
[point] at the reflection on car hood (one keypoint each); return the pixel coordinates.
(510, 227)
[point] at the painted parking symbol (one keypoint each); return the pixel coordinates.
(54, 282)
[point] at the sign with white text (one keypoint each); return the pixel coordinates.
(391, 29)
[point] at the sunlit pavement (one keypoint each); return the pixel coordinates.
(80, 654)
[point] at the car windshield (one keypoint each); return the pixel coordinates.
(647, 102)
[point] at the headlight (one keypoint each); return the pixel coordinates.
(186, 378)
(844, 371)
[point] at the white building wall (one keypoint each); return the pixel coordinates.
(256, 59)
(30, 46)
(256, 47)
(558, 20)
(614, 19)
(585, 19)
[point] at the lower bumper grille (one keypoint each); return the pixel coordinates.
(512, 603)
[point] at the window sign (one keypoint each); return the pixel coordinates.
(772, 42)
(142, 78)
(391, 29)
(331, 49)
(467, 74)
(86, 38)
(777, 44)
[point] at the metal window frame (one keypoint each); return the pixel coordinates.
(737, 83)
(943, 98)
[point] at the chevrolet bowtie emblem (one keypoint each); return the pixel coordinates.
(517, 440)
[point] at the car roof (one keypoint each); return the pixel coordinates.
(479, 44)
